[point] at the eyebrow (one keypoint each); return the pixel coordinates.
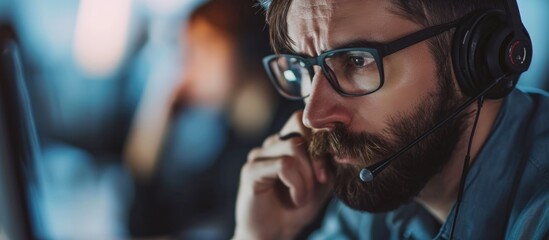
(356, 43)
(362, 43)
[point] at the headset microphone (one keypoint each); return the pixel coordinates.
(369, 173)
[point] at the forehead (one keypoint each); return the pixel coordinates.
(319, 25)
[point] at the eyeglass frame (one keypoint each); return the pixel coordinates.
(378, 51)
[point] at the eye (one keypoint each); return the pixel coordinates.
(358, 61)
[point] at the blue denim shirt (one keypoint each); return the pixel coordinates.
(506, 193)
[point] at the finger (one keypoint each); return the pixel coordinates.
(295, 124)
(292, 147)
(294, 180)
(263, 175)
(271, 140)
(298, 155)
(278, 148)
(254, 154)
(323, 191)
(320, 169)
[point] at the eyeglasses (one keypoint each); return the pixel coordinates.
(350, 71)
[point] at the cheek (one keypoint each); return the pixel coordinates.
(410, 75)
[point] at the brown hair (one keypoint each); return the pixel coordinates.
(276, 14)
(423, 12)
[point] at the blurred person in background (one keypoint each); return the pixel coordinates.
(222, 106)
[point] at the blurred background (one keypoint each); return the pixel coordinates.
(146, 109)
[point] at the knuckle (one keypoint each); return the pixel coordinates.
(270, 140)
(297, 115)
(253, 154)
(293, 123)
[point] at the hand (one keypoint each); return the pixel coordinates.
(281, 188)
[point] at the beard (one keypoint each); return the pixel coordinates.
(401, 181)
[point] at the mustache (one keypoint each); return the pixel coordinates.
(366, 148)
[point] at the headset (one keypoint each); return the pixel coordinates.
(488, 45)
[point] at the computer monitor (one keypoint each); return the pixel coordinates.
(18, 144)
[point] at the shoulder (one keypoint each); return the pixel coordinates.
(538, 100)
(531, 219)
(538, 129)
(538, 154)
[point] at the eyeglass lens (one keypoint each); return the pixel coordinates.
(351, 72)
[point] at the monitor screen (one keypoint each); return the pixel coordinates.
(18, 145)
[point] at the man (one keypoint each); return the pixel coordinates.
(375, 76)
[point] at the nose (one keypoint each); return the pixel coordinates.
(324, 107)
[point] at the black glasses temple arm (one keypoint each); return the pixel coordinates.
(419, 36)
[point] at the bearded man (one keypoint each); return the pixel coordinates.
(411, 119)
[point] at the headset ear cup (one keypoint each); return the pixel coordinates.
(476, 54)
(495, 61)
(460, 55)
